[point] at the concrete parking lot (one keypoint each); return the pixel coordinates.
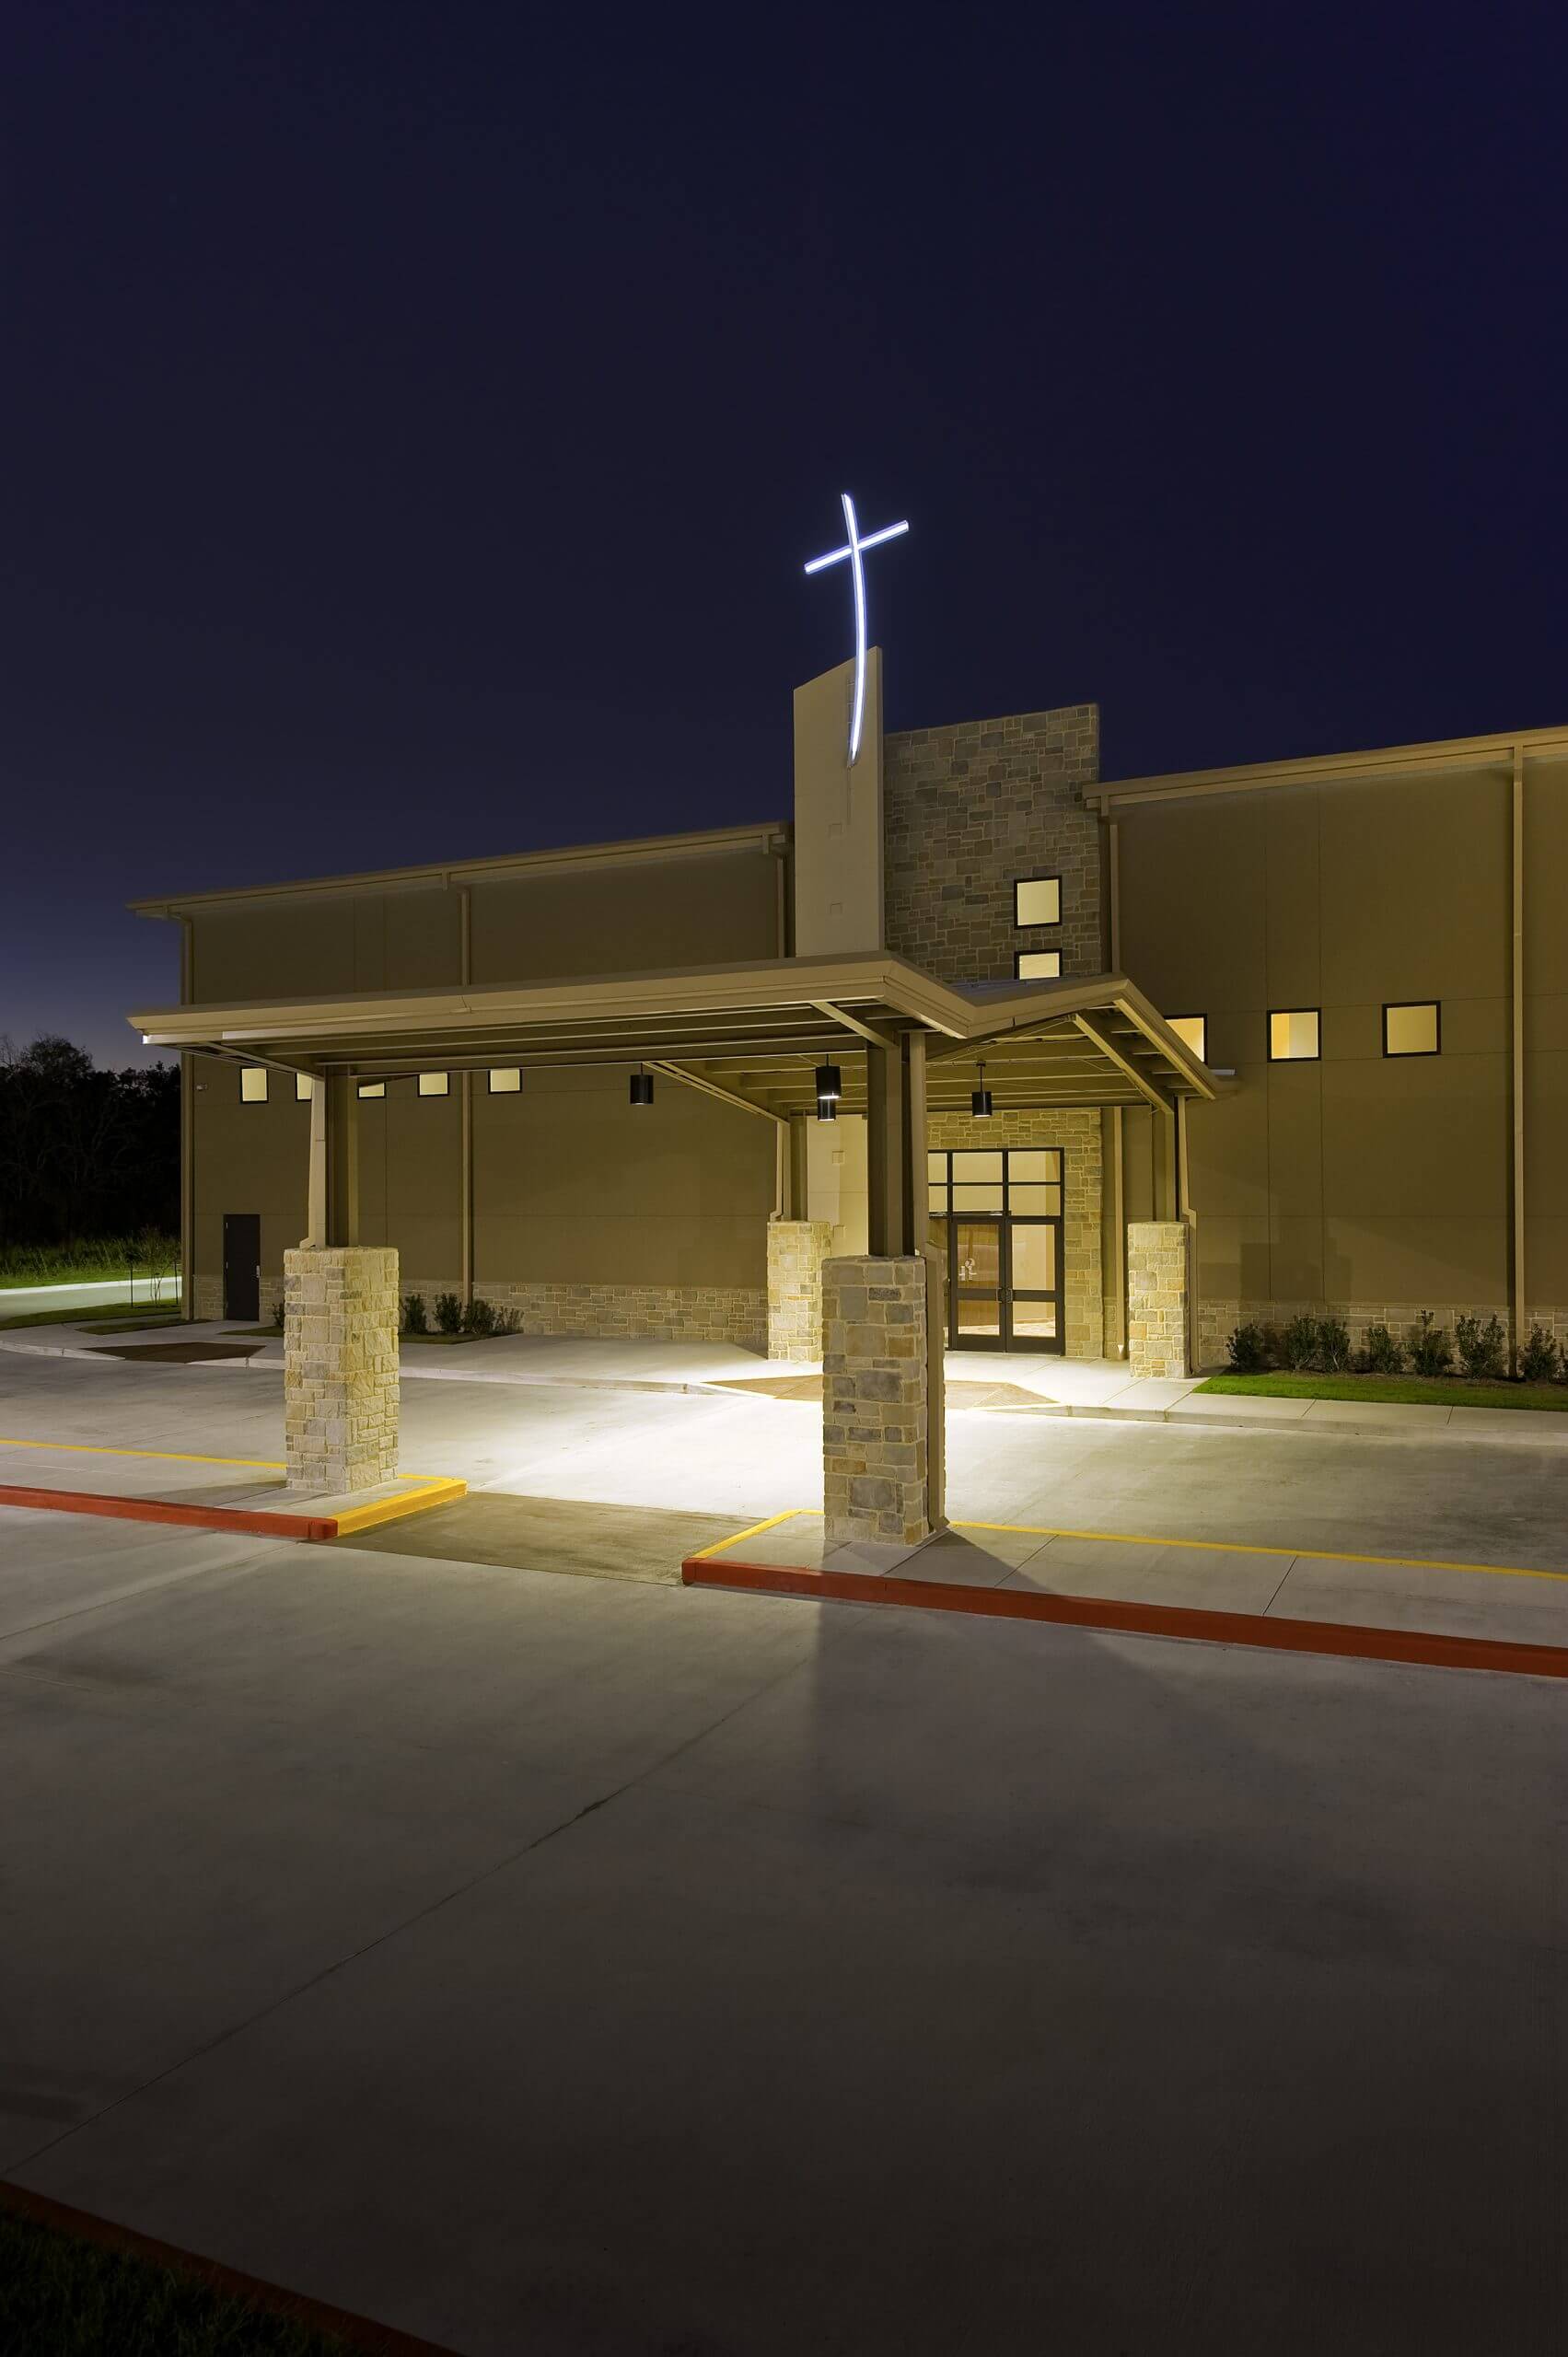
(542, 1962)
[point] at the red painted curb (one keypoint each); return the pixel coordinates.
(1340, 1638)
(253, 1521)
(360, 2332)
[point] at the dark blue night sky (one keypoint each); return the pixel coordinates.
(416, 416)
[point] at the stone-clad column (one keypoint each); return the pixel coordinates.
(1157, 1281)
(796, 1249)
(875, 1402)
(340, 1366)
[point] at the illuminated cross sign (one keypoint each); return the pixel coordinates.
(854, 549)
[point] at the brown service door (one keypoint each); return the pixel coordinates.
(242, 1265)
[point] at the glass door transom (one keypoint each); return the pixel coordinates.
(996, 1212)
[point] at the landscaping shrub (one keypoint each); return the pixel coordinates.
(1483, 1349)
(1333, 1345)
(1540, 1360)
(416, 1318)
(448, 1313)
(1431, 1351)
(483, 1317)
(1298, 1344)
(1247, 1351)
(1382, 1353)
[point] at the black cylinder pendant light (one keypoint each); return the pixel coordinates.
(981, 1106)
(642, 1089)
(830, 1088)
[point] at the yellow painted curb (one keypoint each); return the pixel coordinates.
(166, 1456)
(430, 1488)
(773, 1522)
(1200, 1545)
(437, 1489)
(1238, 1547)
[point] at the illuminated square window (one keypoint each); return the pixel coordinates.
(252, 1083)
(433, 1083)
(1194, 1031)
(1412, 1030)
(1037, 900)
(1292, 1036)
(302, 1087)
(505, 1080)
(373, 1089)
(1037, 965)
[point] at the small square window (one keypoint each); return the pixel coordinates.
(1192, 1030)
(936, 1167)
(1037, 900)
(505, 1080)
(373, 1089)
(252, 1083)
(433, 1083)
(302, 1087)
(1292, 1036)
(1037, 965)
(1412, 1030)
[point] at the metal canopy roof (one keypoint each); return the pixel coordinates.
(750, 1033)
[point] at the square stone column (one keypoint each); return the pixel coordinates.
(796, 1249)
(877, 1399)
(1158, 1281)
(340, 1366)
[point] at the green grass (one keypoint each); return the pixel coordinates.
(158, 1316)
(1396, 1390)
(60, 2298)
(95, 1260)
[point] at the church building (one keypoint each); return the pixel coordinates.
(1313, 1010)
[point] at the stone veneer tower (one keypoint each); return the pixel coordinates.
(966, 811)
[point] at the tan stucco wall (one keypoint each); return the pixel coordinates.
(835, 1163)
(247, 1158)
(1545, 1033)
(573, 1187)
(663, 1212)
(707, 907)
(1358, 1179)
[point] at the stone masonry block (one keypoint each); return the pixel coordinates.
(341, 1306)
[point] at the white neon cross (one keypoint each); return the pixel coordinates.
(854, 549)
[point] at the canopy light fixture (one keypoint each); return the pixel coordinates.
(642, 1089)
(981, 1106)
(830, 1082)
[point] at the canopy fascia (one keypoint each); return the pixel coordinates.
(756, 1031)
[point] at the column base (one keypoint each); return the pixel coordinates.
(340, 1366)
(876, 1402)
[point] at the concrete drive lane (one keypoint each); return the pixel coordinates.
(590, 1965)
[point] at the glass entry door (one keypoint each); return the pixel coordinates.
(996, 1212)
(974, 1284)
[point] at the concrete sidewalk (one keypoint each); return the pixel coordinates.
(1516, 1602)
(1100, 1389)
